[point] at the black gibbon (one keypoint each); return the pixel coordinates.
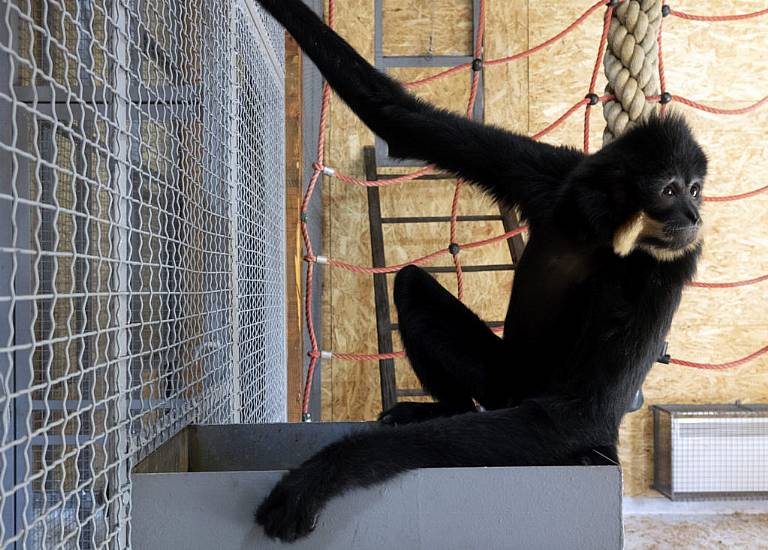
(614, 237)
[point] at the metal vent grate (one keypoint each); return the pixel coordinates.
(714, 451)
(141, 247)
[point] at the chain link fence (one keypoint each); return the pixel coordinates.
(141, 247)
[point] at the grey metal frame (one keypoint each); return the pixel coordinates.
(312, 84)
(199, 490)
(663, 470)
(384, 62)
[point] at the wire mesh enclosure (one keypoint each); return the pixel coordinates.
(141, 247)
(711, 451)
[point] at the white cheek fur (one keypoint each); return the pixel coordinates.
(626, 238)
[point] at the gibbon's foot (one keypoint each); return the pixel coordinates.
(410, 412)
(291, 509)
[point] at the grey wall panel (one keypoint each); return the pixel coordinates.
(446, 508)
(569, 508)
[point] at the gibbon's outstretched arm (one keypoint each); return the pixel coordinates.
(526, 435)
(516, 170)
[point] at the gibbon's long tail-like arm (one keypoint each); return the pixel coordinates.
(525, 435)
(516, 170)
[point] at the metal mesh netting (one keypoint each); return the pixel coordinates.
(711, 451)
(141, 247)
(260, 217)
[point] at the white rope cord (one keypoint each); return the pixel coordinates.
(631, 64)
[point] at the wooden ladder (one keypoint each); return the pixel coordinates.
(390, 392)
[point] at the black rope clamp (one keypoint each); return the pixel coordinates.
(594, 99)
(477, 64)
(665, 10)
(303, 216)
(454, 248)
(612, 3)
(665, 98)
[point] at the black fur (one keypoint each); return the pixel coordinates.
(584, 324)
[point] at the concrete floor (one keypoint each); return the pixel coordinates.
(738, 531)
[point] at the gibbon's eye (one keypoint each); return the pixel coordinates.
(668, 191)
(695, 190)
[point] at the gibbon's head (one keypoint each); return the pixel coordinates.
(664, 168)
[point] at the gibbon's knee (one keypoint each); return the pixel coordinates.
(409, 281)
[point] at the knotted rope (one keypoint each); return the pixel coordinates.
(631, 64)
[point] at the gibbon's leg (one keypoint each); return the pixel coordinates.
(453, 353)
(525, 435)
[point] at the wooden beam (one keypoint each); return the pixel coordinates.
(381, 293)
(294, 182)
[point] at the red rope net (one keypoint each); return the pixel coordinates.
(315, 354)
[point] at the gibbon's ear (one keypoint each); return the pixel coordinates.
(626, 236)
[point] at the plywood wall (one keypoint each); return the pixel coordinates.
(723, 64)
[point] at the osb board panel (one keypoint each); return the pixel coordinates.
(560, 74)
(426, 27)
(450, 92)
(720, 61)
(733, 250)
(326, 388)
(506, 86)
(354, 387)
(433, 198)
(404, 242)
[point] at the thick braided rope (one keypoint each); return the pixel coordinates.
(631, 64)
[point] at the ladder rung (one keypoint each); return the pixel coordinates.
(490, 324)
(411, 393)
(424, 177)
(470, 268)
(434, 219)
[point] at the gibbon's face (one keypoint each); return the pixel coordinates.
(671, 210)
(669, 167)
(669, 224)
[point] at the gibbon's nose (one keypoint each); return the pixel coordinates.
(693, 215)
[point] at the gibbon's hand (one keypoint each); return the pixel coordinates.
(292, 508)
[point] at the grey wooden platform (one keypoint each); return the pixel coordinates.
(201, 489)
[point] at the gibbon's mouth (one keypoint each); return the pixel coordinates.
(683, 236)
(661, 240)
(672, 242)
